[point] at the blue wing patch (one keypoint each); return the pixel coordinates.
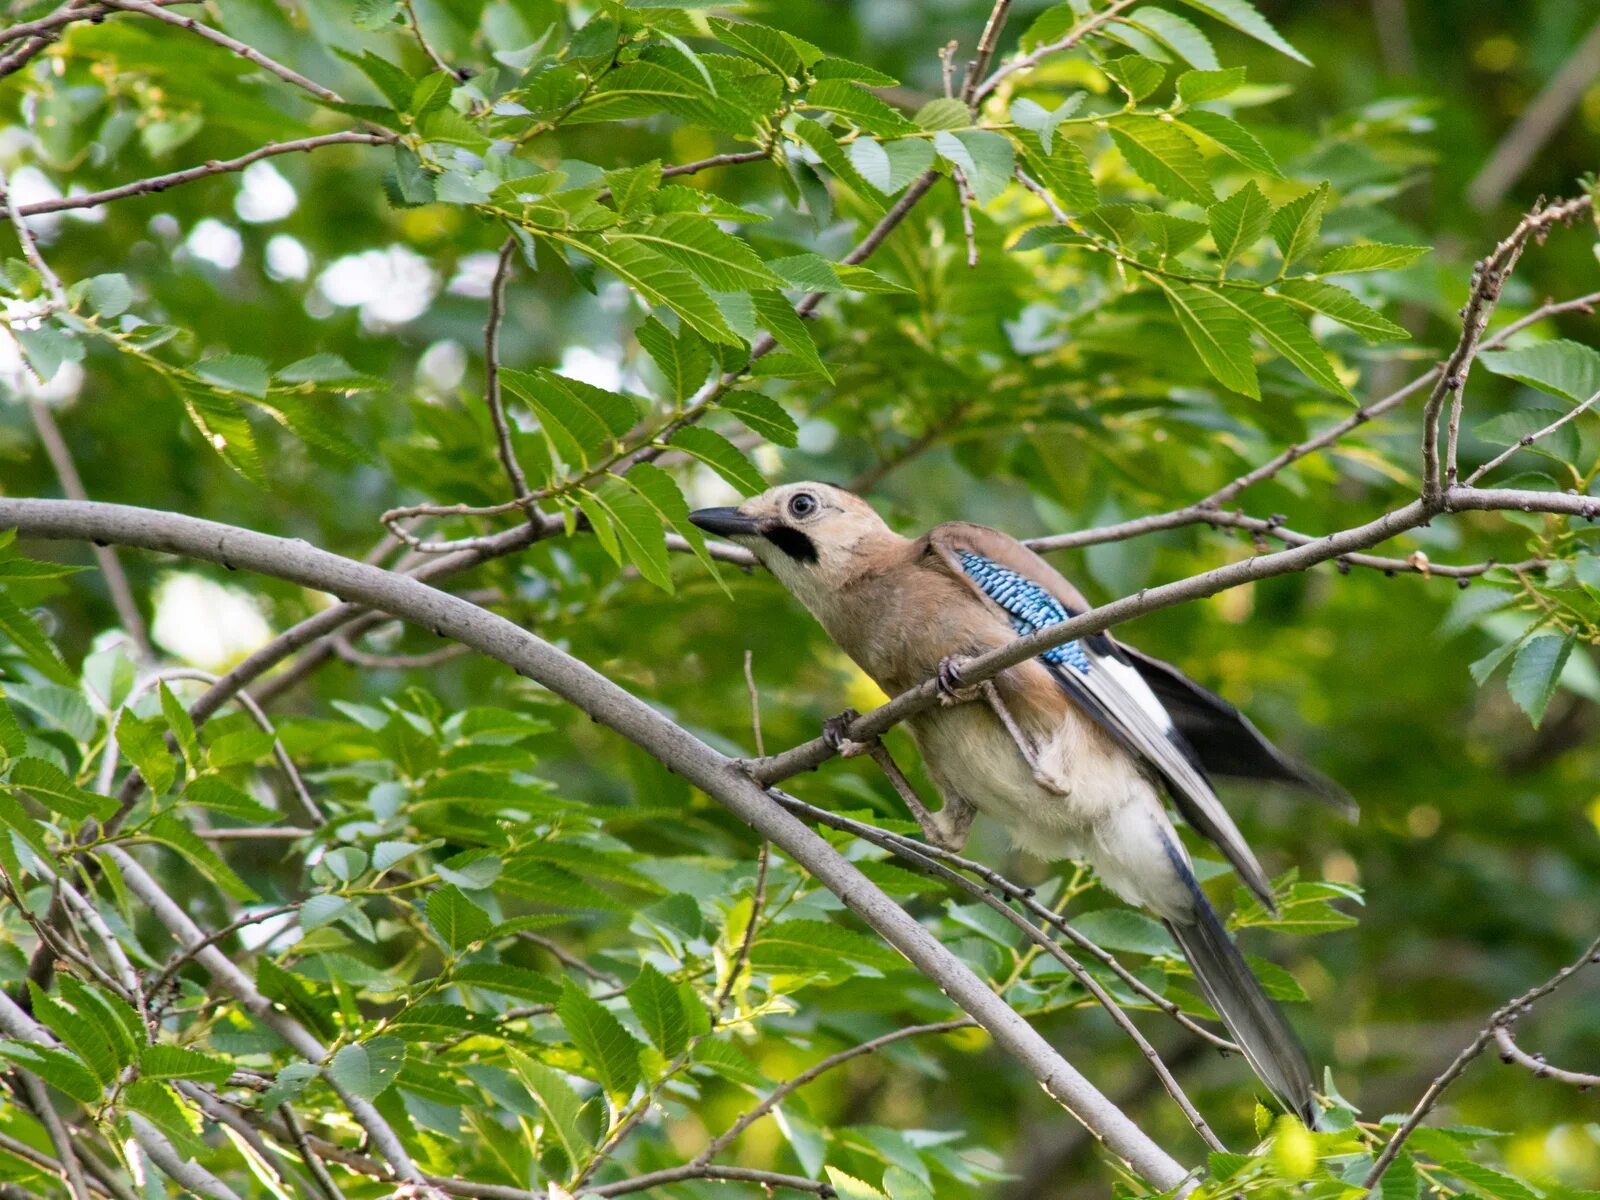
(1030, 607)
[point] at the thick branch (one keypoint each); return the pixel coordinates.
(605, 702)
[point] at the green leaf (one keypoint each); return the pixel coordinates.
(659, 280)
(943, 113)
(655, 1002)
(182, 726)
(683, 359)
(179, 1062)
(58, 707)
(110, 295)
(766, 45)
(1563, 368)
(1284, 329)
(1234, 139)
(909, 159)
(1508, 429)
(226, 430)
(1536, 671)
(720, 260)
(1369, 256)
(639, 531)
(93, 1036)
(1218, 333)
(1163, 157)
(781, 320)
(47, 348)
(174, 833)
(368, 1068)
(458, 921)
(722, 456)
(1277, 982)
(47, 784)
(1064, 171)
(1239, 222)
(848, 1187)
(1171, 235)
(145, 745)
(1196, 87)
(508, 981)
(798, 945)
(431, 94)
(609, 1049)
(1135, 74)
(25, 633)
(560, 1103)
(763, 415)
(985, 157)
(862, 108)
(1339, 305)
(1296, 225)
(217, 794)
(235, 373)
(1178, 34)
(61, 1070)
(660, 491)
(397, 87)
(1126, 930)
(13, 742)
(1243, 16)
(1042, 122)
(844, 68)
(871, 160)
(290, 1084)
(329, 371)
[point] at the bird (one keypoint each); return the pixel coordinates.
(1070, 751)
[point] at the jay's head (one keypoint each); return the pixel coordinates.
(812, 536)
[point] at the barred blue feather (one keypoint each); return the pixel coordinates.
(1030, 607)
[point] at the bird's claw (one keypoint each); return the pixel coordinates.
(835, 730)
(949, 683)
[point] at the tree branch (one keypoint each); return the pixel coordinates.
(1499, 1018)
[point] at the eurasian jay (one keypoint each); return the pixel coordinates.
(1070, 752)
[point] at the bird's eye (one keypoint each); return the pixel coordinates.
(802, 505)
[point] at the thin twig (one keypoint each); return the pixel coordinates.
(1473, 1049)
(160, 183)
(1510, 1052)
(491, 360)
(1529, 439)
(427, 47)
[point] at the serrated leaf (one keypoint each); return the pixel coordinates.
(20, 628)
(1339, 305)
(943, 113)
(1171, 235)
(659, 280)
(330, 371)
(395, 85)
(1239, 222)
(1126, 930)
(609, 1049)
(1563, 368)
(1042, 122)
(145, 746)
(779, 318)
(110, 295)
(1297, 224)
(1284, 329)
(722, 261)
(1179, 34)
(1064, 171)
(560, 1103)
(871, 160)
(655, 1002)
(1220, 336)
(683, 359)
(1369, 256)
(1135, 74)
(766, 45)
(47, 784)
(179, 1062)
(288, 1087)
(1243, 16)
(1536, 671)
(226, 430)
(367, 1068)
(660, 491)
(639, 531)
(235, 373)
(1234, 139)
(861, 107)
(1161, 155)
(458, 921)
(1196, 87)
(217, 794)
(848, 1187)
(722, 456)
(175, 834)
(763, 415)
(60, 1069)
(508, 981)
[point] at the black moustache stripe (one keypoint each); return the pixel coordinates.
(792, 542)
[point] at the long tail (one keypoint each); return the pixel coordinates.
(1255, 1022)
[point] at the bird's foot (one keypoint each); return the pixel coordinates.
(835, 731)
(949, 683)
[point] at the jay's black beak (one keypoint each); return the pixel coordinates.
(726, 522)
